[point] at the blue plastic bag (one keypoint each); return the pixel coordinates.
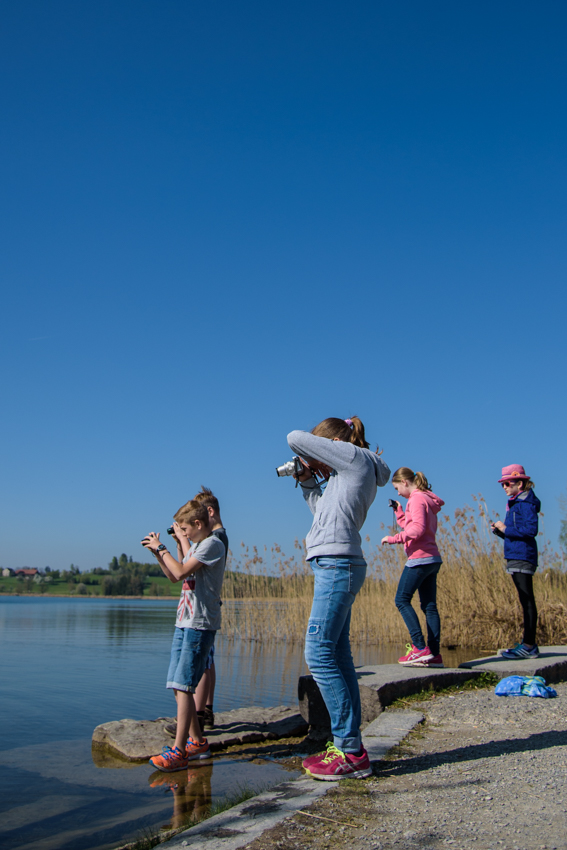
(524, 686)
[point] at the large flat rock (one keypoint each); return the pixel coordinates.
(551, 664)
(138, 740)
(132, 740)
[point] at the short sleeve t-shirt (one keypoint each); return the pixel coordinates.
(200, 603)
(221, 534)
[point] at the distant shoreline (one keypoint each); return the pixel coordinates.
(81, 598)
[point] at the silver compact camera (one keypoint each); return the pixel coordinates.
(292, 467)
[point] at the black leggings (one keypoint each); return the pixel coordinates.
(525, 587)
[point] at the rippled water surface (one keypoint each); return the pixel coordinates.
(67, 665)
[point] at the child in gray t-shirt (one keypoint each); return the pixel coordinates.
(200, 602)
(198, 619)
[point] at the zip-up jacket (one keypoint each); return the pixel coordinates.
(521, 527)
(340, 509)
(419, 524)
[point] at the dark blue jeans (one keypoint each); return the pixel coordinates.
(424, 580)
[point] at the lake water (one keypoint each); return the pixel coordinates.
(67, 665)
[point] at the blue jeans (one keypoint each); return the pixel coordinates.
(424, 580)
(327, 645)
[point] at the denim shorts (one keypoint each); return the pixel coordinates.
(189, 653)
(210, 658)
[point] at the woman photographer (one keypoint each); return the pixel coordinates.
(337, 451)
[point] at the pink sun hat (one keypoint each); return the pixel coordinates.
(509, 473)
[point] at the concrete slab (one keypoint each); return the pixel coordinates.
(247, 821)
(392, 681)
(551, 664)
(388, 730)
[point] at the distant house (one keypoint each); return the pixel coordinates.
(26, 572)
(7, 572)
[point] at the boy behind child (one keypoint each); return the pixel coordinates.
(205, 693)
(198, 620)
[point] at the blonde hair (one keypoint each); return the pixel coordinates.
(404, 473)
(333, 427)
(207, 498)
(192, 512)
(527, 484)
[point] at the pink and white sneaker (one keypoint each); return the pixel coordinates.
(317, 757)
(436, 661)
(415, 656)
(334, 765)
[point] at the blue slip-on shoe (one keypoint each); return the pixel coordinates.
(521, 651)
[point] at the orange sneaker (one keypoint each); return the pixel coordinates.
(194, 750)
(170, 760)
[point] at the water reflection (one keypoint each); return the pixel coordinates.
(191, 790)
(56, 798)
(138, 622)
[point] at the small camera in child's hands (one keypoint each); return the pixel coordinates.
(393, 504)
(171, 530)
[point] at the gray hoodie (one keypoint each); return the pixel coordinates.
(340, 510)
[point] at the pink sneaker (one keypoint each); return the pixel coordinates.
(317, 757)
(414, 654)
(436, 661)
(338, 765)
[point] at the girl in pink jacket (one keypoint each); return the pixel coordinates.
(418, 524)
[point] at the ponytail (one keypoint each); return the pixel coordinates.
(404, 473)
(357, 436)
(348, 430)
(421, 481)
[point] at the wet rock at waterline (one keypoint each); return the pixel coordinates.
(137, 740)
(133, 740)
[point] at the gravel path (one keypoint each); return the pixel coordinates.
(484, 772)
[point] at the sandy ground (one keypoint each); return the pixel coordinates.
(482, 772)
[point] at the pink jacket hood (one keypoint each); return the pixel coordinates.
(419, 525)
(435, 502)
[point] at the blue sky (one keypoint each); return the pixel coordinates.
(222, 221)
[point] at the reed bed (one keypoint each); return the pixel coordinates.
(268, 594)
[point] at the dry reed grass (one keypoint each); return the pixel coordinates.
(270, 595)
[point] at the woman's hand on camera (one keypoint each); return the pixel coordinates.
(151, 541)
(307, 472)
(499, 525)
(322, 469)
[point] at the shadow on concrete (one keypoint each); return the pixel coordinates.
(499, 659)
(474, 752)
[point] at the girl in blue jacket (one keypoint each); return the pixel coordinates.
(520, 550)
